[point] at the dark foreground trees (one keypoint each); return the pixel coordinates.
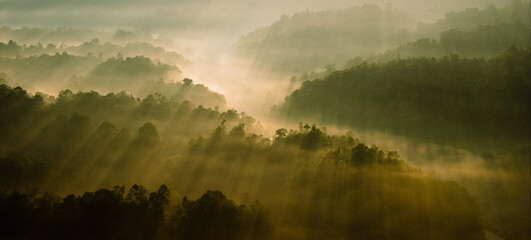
(213, 216)
(135, 214)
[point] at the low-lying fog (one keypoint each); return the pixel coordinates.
(255, 54)
(206, 32)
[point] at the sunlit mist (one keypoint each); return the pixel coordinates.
(234, 119)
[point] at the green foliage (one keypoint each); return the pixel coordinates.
(315, 185)
(44, 144)
(451, 100)
(68, 154)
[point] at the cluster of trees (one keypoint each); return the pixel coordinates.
(135, 214)
(474, 105)
(315, 185)
(307, 178)
(46, 72)
(41, 135)
(321, 186)
(449, 100)
(140, 76)
(128, 74)
(94, 48)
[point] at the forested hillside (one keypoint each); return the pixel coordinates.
(451, 100)
(477, 105)
(138, 75)
(244, 120)
(66, 153)
(481, 41)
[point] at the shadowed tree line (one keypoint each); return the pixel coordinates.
(133, 214)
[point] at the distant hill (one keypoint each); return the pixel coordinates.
(480, 41)
(72, 36)
(308, 41)
(517, 11)
(94, 48)
(138, 75)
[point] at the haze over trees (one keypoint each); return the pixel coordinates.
(138, 75)
(67, 155)
(308, 41)
(474, 104)
(403, 120)
(96, 48)
(322, 38)
(72, 36)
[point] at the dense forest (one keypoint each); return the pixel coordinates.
(482, 106)
(338, 120)
(67, 154)
(452, 100)
(135, 214)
